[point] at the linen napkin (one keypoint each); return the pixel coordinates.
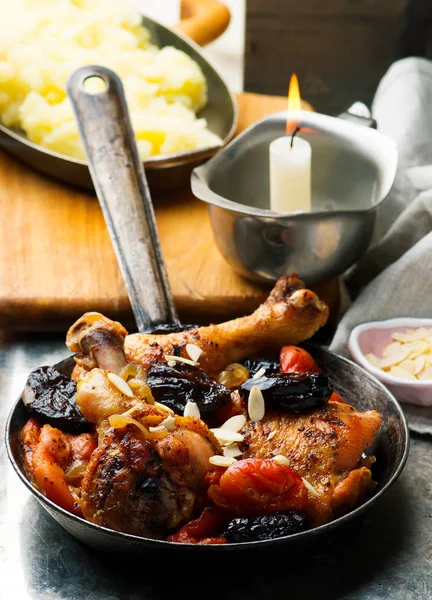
(394, 277)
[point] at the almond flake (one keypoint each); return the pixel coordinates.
(232, 451)
(310, 487)
(396, 371)
(221, 461)
(374, 360)
(169, 423)
(163, 407)
(120, 384)
(191, 410)
(412, 335)
(194, 352)
(419, 364)
(407, 365)
(425, 375)
(235, 423)
(280, 459)
(391, 348)
(180, 359)
(394, 358)
(172, 363)
(259, 373)
(271, 435)
(256, 404)
(227, 435)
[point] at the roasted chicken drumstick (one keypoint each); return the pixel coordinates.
(291, 314)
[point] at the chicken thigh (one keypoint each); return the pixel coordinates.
(325, 447)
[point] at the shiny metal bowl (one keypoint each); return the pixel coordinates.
(353, 169)
(354, 384)
(164, 173)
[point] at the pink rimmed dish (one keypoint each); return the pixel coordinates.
(373, 337)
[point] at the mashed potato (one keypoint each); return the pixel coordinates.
(43, 41)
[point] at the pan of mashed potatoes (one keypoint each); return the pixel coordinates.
(181, 109)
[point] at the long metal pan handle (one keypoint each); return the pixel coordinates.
(121, 187)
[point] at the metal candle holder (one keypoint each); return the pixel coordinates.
(353, 169)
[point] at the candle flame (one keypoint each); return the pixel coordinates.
(294, 101)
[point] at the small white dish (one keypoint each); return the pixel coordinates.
(372, 338)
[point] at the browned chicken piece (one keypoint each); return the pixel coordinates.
(140, 480)
(98, 398)
(325, 447)
(290, 315)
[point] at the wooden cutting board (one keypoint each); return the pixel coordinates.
(56, 259)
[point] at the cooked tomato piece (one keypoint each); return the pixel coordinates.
(297, 360)
(203, 529)
(255, 487)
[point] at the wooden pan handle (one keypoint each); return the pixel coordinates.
(203, 20)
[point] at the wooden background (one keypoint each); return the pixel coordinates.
(340, 49)
(56, 258)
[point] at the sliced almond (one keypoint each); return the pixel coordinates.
(419, 364)
(171, 358)
(425, 375)
(407, 365)
(169, 423)
(280, 459)
(191, 410)
(227, 435)
(259, 373)
(232, 451)
(194, 352)
(120, 384)
(391, 348)
(256, 404)
(271, 435)
(235, 423)
(396, 357)
(374, 360)
(310, 487)
(221, 461)
(163, 407)
(396, 371)
(412, 335)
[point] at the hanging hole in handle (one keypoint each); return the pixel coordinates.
(94, 85)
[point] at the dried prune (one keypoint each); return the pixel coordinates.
(291, 392)
(253, 365)
(175, 386)
(267, 527)
(50, 397)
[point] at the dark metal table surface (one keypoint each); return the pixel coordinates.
(388, 555)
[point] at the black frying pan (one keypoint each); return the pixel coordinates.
(123, 193)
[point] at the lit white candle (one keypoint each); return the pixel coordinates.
(290, 174)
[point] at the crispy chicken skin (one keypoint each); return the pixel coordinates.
(291, 314)
(148, 486)
(144, 485)
(325, 447)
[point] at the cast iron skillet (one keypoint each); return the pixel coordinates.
(355, 386)
(122, 190)
(165, 173)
